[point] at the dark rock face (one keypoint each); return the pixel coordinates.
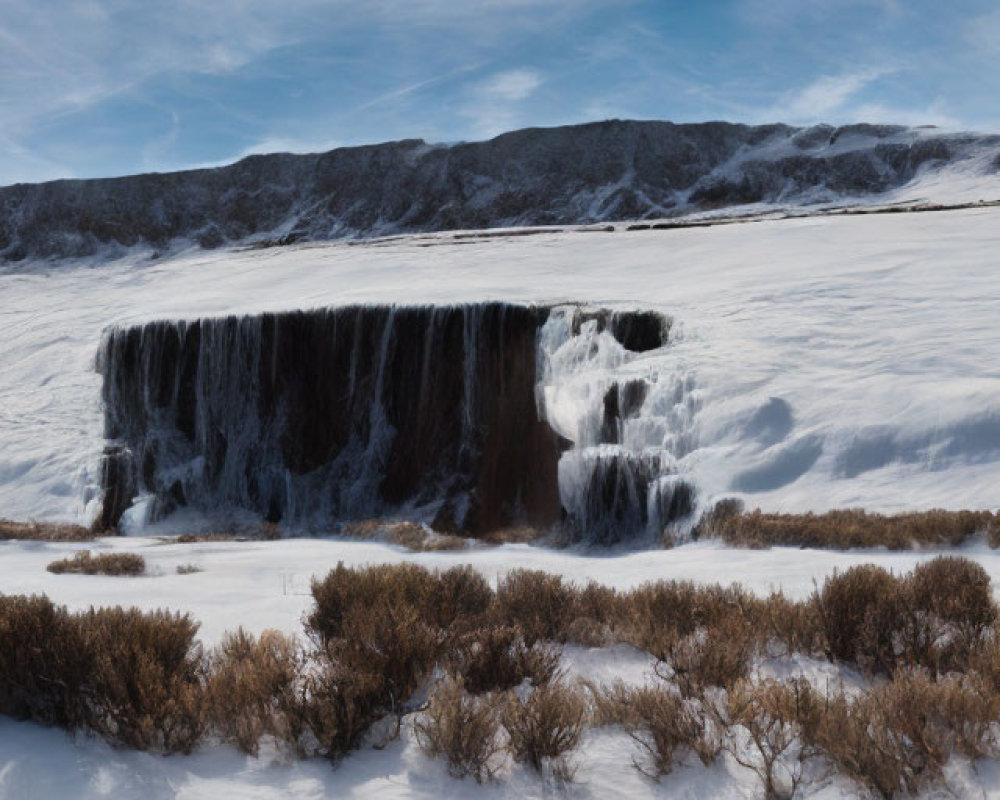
(338, 413)
(575, 174)
(625, 496)
(621, 402)
(118, 483)
(317, 417)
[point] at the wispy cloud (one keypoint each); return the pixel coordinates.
(494, 105)
(512, 85)
(826, 95)
(414, 88)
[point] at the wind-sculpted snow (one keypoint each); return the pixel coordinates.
(437, 412)
(813, 363)
(570, 175)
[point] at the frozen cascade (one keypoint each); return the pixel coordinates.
(473, 417)
(629, 422)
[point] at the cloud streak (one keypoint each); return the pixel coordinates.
(826, 95)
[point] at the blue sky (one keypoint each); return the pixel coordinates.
(110, 87)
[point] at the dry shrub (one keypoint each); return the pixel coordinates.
(463, 729)
(898, 737)
(515, 534)
(663, 724)
(344, 589)
(717, 520)
(188, 569)
(715, 656)
(253, 689)
(86, 563)
(797, 626)
(458, 597)
(545, 726)
(956, 591)
(145, 686)
(774, 716)
(935, 617)
(391, 642)
(847, 528)
(340, 705)
(414, 537)
(194, 538)
(462, 599)
(861, 611)
(679, 608)
(133, 678)
(44, 532)
(598, 610)
(953, 610)
(367, 673)
(43, 662)
(496, 658)
(539, 603)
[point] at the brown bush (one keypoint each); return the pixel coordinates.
(344, 589)
(953, 609)
(414, 537)
(391, 642)
(85, 563)
(843, 529)
(44, 532)
(717, 655)
(515, 534)
(459, 596)
(797, 626)
(194, 538)
(674, 609)
(544, 727)
(898, 737)
(462, 598)
(539, 603)
(145, 687)
(774, 717)
(44, 663)
(462, 728)
(368, 672)
(340, 705)
(254, 689)
(861, 611)
(495, 658)
(133, 678)
(662, 723)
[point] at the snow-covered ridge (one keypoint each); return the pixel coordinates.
(570, 175)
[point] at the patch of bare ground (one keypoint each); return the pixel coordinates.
(86, 563)
(411, 535)
(846, 528)
(515, 534)
(264, 532)
(44, 532)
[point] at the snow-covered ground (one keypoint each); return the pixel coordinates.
(818, 362)
(266, 584)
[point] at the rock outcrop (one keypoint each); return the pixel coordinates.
(575, 174)
(350, 413)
